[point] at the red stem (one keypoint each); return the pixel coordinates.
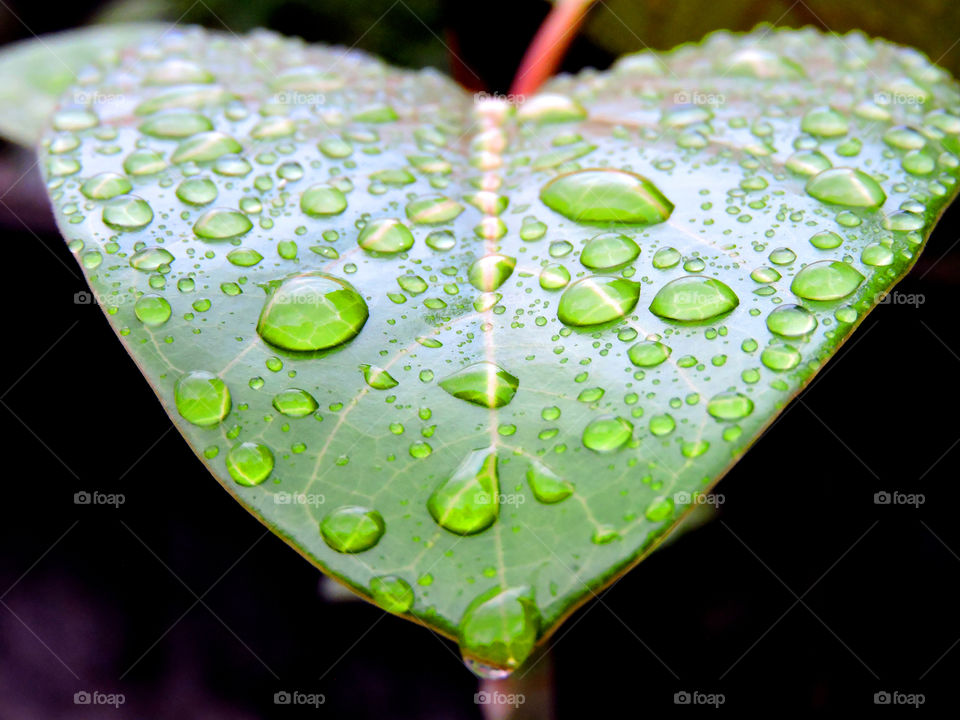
(549, 45)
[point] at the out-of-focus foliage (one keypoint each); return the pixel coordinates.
(621, 26)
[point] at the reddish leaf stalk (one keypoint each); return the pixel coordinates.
(549, 45)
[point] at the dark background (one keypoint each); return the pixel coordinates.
(96, 598)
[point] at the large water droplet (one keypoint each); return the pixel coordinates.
(294, 402)
(490, 272)
(106, 185)
(826, 280)
(693, 299)
(730, 406)
(846, 186)
(392, 593)
(607, 433)
(202, 398)
(547, 486)
(648, 354)
(322, 200)
(501, 627)
(377, 377)
(386, 235)
(606, 196)
(609, 250)
(127, 212)
(433, 210)
(352, 529)
(313, 311)
(469, 500)
(482, 383)
(249, 463)
(791, 321)
(597, 300)
(222, 224)
(825, 122)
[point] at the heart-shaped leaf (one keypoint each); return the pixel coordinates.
(472, 360)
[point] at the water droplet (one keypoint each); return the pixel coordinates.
(244, 257)
(876, 255)
(607, 433)
(780, 357)
(150, 258)
(106, 185)
(249, 463)
(554, 277)
(386, 235)
(665, 258)
(846, 186)
(205, 147)
(490, 272)
(606, 196)
(313, 311)
(152, 309)
(609, 250)
(201, 398)
(127, 212)
(352, 529)
(176, 124)
(824, 122)
(482, 383)
(222, 224)
(392, 593)
(377, 377)
(547, 486)
(782, 256)
(826, 240)
(433, 210)
(468, 502)
(648, 354)
(322, 200)
(730, 406)
(551, 108)
(295, 403)
(792, 321)
(597, 300)
(826, 280)
(501, 627)
(693, 299)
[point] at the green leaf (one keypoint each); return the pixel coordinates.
(473, 386)
(34, 73)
